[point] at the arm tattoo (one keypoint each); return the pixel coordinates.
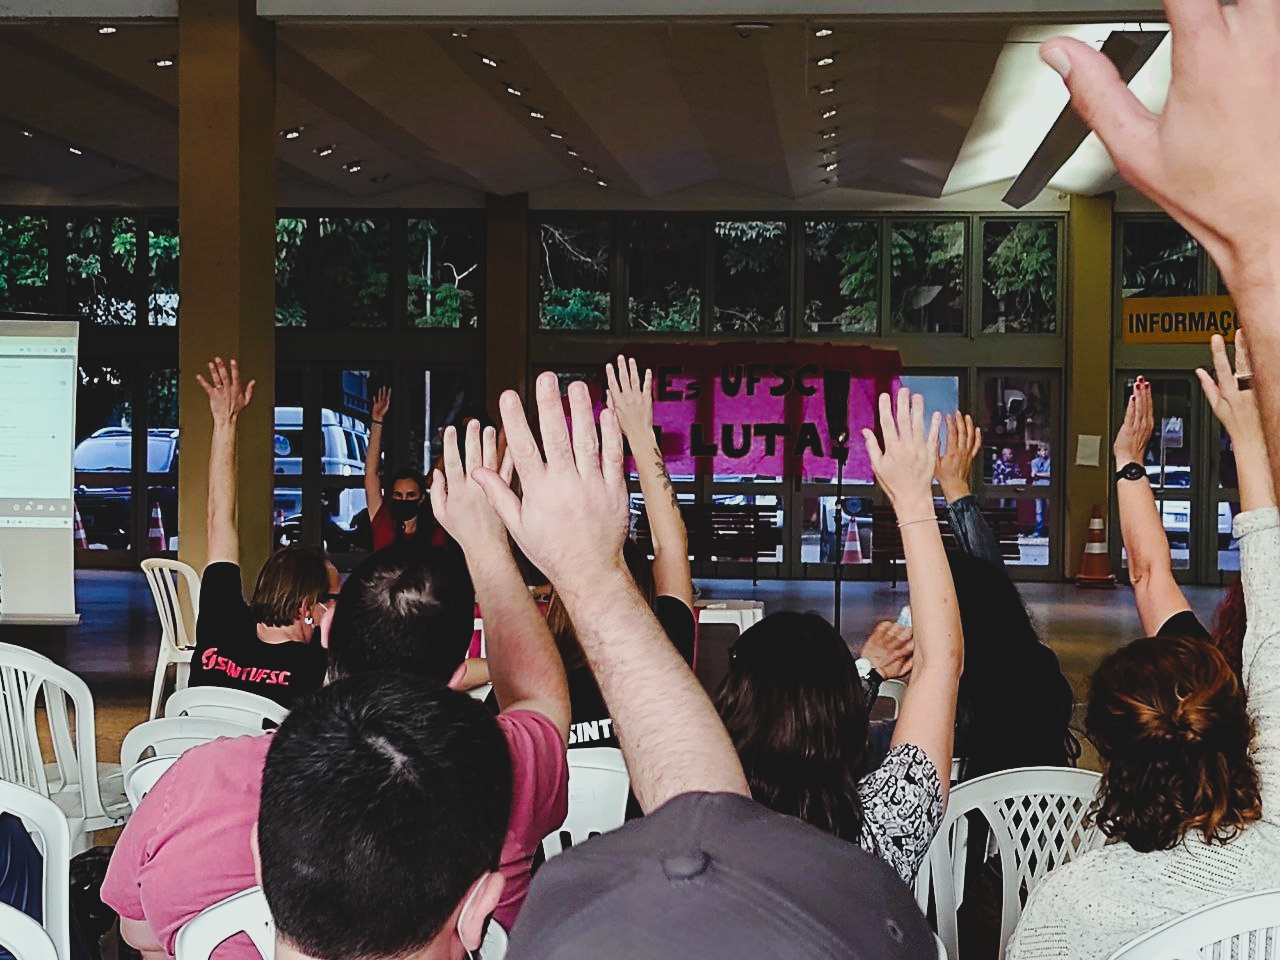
(666, 481)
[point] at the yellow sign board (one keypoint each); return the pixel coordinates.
(1178, 319)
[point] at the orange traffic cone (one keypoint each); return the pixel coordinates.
(156, 542)
(852, 543)
(1095, 569)
(81, 538)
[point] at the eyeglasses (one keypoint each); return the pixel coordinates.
(327, 598)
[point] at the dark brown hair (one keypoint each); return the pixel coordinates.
(290, 577)
(1169, 719)
(797, 714)
(561, 626)
(1228, 630)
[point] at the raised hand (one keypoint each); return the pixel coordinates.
(1139, 421)
(226, 398)
(904, 467)
(890, 647)
(955, 465)
(572, 518)
(630, 397)
(1236, 409)
(381, 403)
(457, 500)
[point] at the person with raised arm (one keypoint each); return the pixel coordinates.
(773, 884)
(270, 646)
(398, 516)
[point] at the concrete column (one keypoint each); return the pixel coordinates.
(506, 321)
(1088, 376)
(226, 226)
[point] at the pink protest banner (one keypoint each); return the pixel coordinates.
(766, 409)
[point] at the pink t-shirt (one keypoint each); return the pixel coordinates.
(187, 845)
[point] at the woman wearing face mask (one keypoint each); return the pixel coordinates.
(397, 516)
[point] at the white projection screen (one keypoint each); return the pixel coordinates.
(37, 438)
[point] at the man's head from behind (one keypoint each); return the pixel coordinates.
(407, 608)
(385, 801)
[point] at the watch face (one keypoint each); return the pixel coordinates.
(1133, 471)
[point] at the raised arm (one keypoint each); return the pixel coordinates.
(1237, 411)
(373, 455)
(904, 468)
(524, 664)
(1156, 593)
(571, 522)
(226, 400)
(631, 400)
(955, 466)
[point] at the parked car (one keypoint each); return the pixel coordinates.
(1176, 514)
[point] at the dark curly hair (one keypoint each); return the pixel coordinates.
(1228, 629)
(1169, 719)
(795, 709)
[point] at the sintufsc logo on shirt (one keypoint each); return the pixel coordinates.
(211, 661)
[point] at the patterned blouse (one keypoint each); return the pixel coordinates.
(901, 808)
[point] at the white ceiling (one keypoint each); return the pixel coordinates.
(671, 114)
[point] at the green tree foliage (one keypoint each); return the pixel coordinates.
(842, 276)
(354, 263)
(291, 310)
(102, 253)
(437, 296)
(926, 279)
(24, 263)
(574, 276)
(752, 274)
(1020, 276)
(1160, 260)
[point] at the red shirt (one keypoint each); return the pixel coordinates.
(383, 526)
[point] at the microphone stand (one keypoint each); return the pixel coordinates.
(841, 452)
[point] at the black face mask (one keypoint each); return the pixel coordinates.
(402, 511)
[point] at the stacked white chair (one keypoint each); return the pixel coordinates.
(23, 937)
(143, 775)
(1037, 818)
(598, 788)
(47, 825)
(173, 736)
(89, 793)
(1246, 927)
(224, 703)
(177, 632)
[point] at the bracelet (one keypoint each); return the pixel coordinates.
(378, 422)
(907, 523)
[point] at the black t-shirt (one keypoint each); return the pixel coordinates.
(229, 654)
(1184, 624)
(590, 724)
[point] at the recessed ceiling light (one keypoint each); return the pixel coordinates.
(824, 89)
(106, 30)
(828, 113)
(380, 178)
(77, 151)
(514, 90)
(601, 182)
(27, 133)
(831, 166)
(554, 134)
(572, 152)
(825, 61)
(460, 33)
(828, 134)
(324, 151)
(163, 62)
(353, 166)
(823, 32)
(588, 168)
(536, 114)
(292, 133)
(489, 61)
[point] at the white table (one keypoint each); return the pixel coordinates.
(744, 613)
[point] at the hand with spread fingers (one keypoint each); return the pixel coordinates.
(955, 464)
(226, 398)
(630, 397)
(1139, 421)
(905, 465)
(1235, 404)
(458, 501)
(381, 404)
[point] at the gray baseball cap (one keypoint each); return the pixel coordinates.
(718, 875)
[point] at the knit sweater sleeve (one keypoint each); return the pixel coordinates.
(1259, 534)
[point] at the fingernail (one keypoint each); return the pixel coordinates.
(1057, 58)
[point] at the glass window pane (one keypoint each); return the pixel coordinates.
(573, 274)
(162, 458)
(162, 292)
(438, 398)
(354, 260)
(101, 254)
(1022, 528)
(926, 276)
(762, 500)
(24, 264)
(287, 512)
(753, 276)
(1228, 546)
(664, 262)
(1168, 457)
(818, 538)
(444, 272)
(104, 448)
(346, 399)
(291, 293)
(1019, 276)
(842, 276)
(1160, 259)
(941, 395)
(1017, 430)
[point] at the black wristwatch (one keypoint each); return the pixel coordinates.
(1131, 471)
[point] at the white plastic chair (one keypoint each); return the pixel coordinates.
(893, 690)
(89, 793)
(598, 787)
(143, 775)
(1237, 928)
(226, 703)
(1037, 817)
(494, 945)
(243, 912)
(177, 633)
(47, 825)
(173, 736)
(23, 937)
(481, 692)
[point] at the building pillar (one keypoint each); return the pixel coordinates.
(506, 322)
(226, 230)
(1088, 375)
